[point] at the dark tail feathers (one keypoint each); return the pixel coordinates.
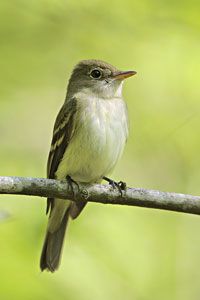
(52, 248)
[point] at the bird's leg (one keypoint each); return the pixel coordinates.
(120, 185)
(71, 182)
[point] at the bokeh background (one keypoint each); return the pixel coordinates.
(111, 252)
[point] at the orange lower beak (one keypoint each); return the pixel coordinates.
(122, 75)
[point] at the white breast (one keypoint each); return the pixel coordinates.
(99, 139)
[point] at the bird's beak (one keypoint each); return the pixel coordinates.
(124, 74)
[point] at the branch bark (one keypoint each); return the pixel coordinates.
(100, 193)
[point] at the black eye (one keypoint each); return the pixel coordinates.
(95, 73)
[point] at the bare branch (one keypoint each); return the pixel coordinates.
(101, 194)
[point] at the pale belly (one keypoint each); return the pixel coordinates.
(97, 143)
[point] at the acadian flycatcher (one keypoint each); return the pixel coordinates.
(89, 135)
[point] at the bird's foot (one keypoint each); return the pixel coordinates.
(121, 186)
(71, 182)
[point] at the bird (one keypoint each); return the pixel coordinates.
(89, 135)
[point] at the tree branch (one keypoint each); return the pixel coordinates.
(101, 194)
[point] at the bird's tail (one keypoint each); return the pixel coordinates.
(52, 247)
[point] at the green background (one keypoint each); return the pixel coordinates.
(111, 252)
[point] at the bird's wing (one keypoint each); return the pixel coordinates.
(62, 133)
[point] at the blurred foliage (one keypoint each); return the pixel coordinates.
(111, 252)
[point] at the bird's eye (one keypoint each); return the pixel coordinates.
(95, 74)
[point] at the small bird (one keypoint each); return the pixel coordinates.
(89, 136)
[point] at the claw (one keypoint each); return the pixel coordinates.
(121, 186)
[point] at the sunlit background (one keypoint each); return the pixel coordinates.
(111, 252)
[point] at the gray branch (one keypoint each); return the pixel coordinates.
(100, 193)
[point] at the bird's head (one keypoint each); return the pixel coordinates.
(98, 78)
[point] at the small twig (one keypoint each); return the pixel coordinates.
(101, 194)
